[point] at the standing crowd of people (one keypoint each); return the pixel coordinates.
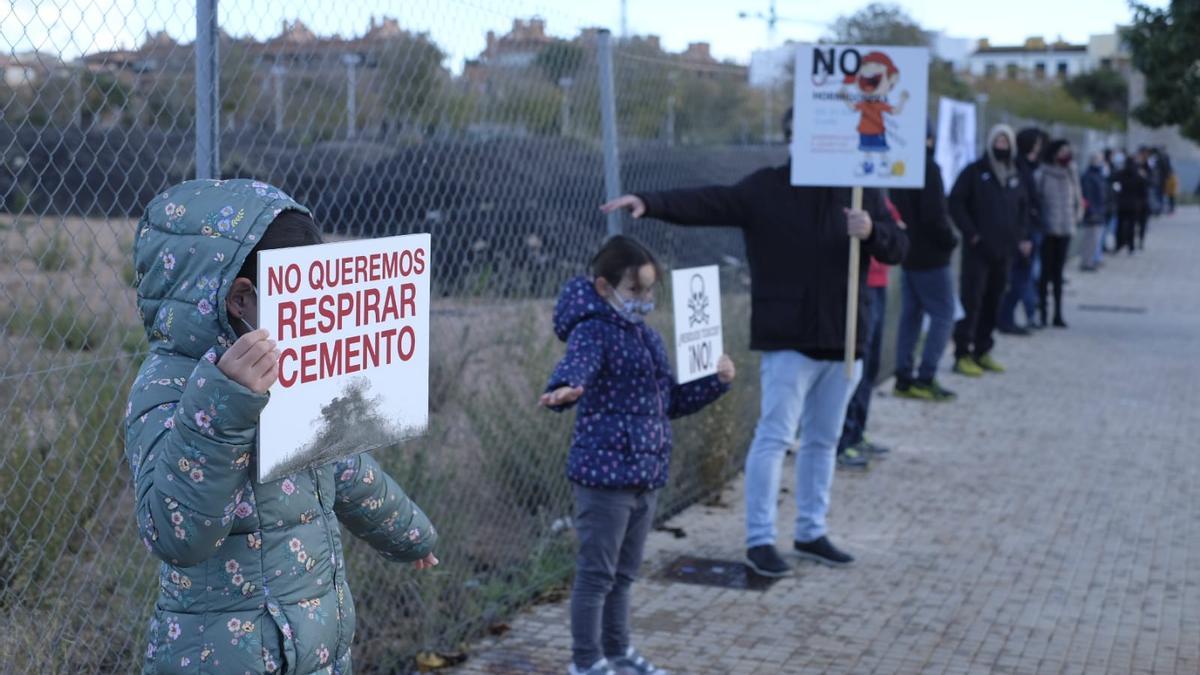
(253, 578)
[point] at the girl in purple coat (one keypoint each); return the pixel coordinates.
(616, 369)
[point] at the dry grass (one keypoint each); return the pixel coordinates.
(76, 587)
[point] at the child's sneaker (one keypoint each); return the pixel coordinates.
(634, 664)
(601, 667)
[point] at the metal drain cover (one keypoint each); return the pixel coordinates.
(1116, 309)
(720, 573)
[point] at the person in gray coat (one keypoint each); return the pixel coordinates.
(1062, 209)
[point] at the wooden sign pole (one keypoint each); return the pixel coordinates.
(856, 198)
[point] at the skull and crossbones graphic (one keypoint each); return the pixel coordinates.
(698, 302)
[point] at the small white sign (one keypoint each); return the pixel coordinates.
(698, 342)
(352, 325)
(859, 116)
(955, 139)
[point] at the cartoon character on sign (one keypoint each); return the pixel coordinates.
(698, 302)
(877, 77)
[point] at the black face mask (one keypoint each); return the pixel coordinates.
(1001, 155)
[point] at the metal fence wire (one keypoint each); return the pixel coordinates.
(500, 141)
(494, 146)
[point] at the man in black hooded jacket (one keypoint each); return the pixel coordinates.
(990, 206)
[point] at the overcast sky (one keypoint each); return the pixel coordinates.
(69, 27)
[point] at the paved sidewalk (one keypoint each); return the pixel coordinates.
(1047, 522)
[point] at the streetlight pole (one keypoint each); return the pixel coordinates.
(772, 19)
(982, 100)
(670, 121)
(277, 73)
(565, 84)
(351, 61)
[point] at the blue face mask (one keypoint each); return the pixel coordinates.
(632, 310)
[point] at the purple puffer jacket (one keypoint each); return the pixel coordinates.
(622, 429)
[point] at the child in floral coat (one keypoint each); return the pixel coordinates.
(252, 577)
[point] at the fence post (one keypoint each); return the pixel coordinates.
(208, 96)
(608, 128)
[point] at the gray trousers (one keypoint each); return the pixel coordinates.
(612, 526)
(1089, 253)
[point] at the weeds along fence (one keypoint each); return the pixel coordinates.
(493, 143)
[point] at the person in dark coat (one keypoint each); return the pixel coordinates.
(927, 283)
(796, 242)
(1026, 269)
(990, 206)
(1132, 202)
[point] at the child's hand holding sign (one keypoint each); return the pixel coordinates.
(726, 371)
(252, 362)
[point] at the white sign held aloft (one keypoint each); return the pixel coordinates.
(351, 321)
(955, 139)
(859, 116)
(698, 342)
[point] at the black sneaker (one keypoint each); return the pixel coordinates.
(873, 449)
(1013, 329)
(765, 561)
(937, 391)
(824, 552)
(853, 459)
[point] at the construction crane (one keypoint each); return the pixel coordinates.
(772, 19)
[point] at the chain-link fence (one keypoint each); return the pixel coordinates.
(493, 144)
(467, 119)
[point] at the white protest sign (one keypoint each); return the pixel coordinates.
(859, 116)
(955, 139)
(352, 325)
(696, 293)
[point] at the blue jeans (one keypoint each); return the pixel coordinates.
(924, 292)
(796, 390)
(1110, 230)
(1022, 290)
(860, 403)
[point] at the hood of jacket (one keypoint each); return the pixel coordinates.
(190, 244)
(1002, 169)
(1027, 139)
(578, 302)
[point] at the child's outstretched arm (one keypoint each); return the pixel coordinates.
(374, 508)
(577, 369)
(189, 443)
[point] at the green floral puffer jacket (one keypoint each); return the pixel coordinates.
(253, 579)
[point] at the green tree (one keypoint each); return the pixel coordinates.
(879, 24)
(242, 92)
(560, 59)
(1106, 90)
(1166, 50)
(884, 24)
(1046, 104)
(408, 75)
